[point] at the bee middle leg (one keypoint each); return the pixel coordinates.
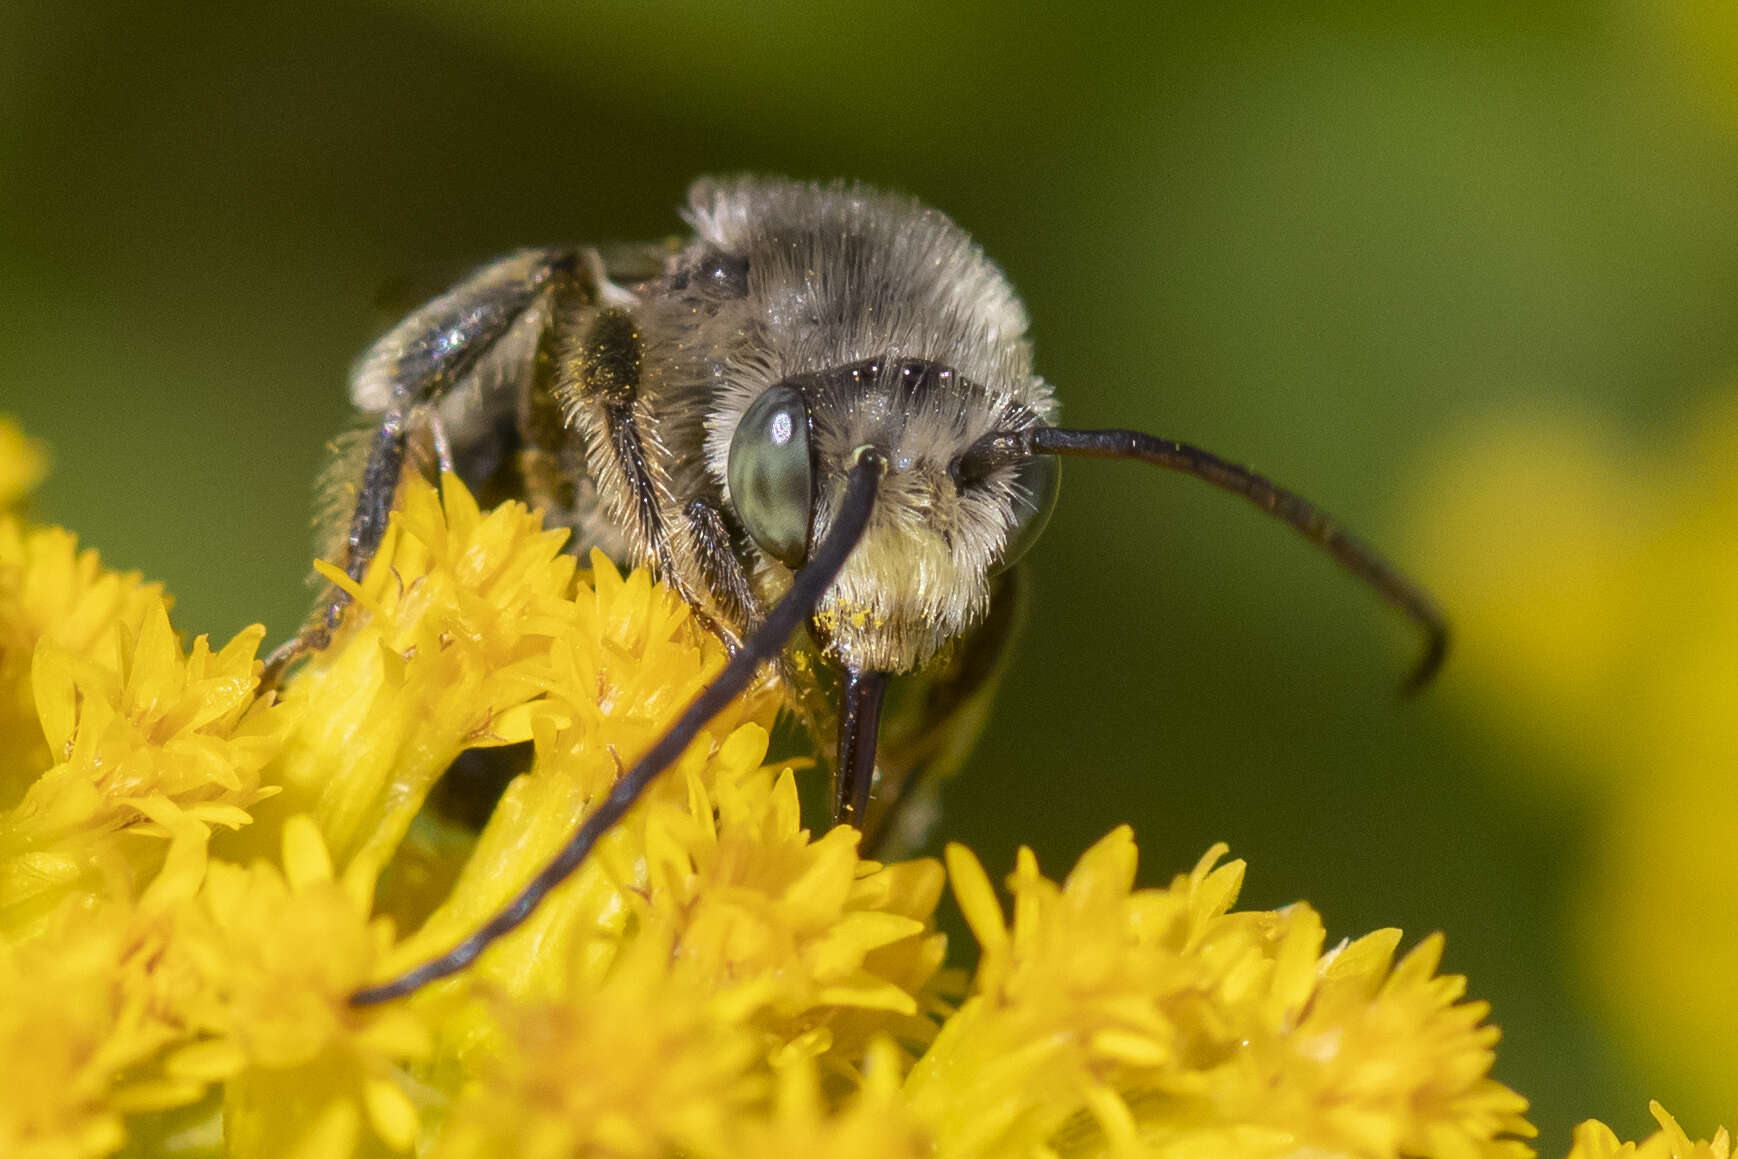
(687, 538)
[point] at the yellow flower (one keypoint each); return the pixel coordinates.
(281, 952)
(1122, 1021)
(1594, 1140)
(50, 591)
(875, 1122)
(459, 612)
(67, 1035)
(145, 736)
(844, 942)
(715, 981)
(88, 1005)
(620, 661)
(638, 1065)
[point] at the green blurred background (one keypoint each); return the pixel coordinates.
(1311, 237)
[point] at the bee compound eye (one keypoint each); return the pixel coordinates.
(1036, 483)
(771, 474)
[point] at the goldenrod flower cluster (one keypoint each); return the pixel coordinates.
(195, 875)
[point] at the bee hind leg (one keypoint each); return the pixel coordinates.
(462, 347)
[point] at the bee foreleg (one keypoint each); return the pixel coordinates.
(437, 429)
(722, 572)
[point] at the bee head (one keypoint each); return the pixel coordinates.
(857, 319)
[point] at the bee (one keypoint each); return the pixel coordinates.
(816, 419)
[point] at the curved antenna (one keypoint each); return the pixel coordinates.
(806, 590)
(1310, 521)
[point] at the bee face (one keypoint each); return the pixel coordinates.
(921, 576)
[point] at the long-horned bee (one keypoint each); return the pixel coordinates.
(817, 419)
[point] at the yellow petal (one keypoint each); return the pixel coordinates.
(306, 861)
(976, 897)
(391, 1113)
(211, 1061)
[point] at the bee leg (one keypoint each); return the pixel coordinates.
(437, 429)
(859, 728)
(722, 573)
(413, 367)
(933, 719)
(374, 498)
(597, 383)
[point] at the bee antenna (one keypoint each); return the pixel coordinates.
(763, 644)
(1305, 517)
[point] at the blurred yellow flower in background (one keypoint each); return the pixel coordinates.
(195, 876)
(23, 463)
(1593, 580)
